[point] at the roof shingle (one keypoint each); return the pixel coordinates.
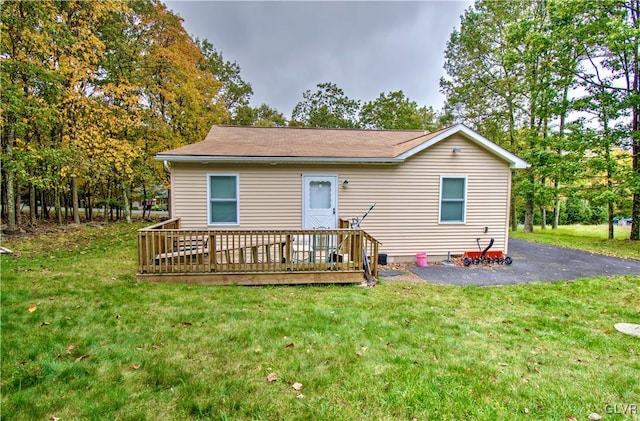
(304, 142)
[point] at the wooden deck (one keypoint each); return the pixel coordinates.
(167, 253)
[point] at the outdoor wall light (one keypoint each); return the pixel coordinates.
(457, 149)
(345, 183)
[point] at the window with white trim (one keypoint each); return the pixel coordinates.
(222, 199)
(453, 199)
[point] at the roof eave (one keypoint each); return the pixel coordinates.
(206, 159)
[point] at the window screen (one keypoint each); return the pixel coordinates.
(452, 199)
(320, 195)
(223, 199)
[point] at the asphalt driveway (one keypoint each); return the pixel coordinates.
(531, 262)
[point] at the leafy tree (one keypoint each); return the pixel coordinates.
(395, 111)
(234, 92)
(260, 116)
(91, 92)
(328, 107)
(511, 69)
(29, 92)
(609, 34)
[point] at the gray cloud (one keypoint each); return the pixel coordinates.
(366, 48)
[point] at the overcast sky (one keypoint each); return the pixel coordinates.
(366, 48)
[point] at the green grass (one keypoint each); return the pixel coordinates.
(100, 345)
(592, 238)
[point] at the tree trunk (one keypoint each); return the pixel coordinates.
(634, 7)
(514, 215)
(556, 208)
(18, 209)
(528, 216)
(9, 179)
(125, 203)
(635, 151)
(74, 200)
(543, 216)
(33, 207)
(529, 203)
(88, 208)
(610, 218)
(58, 207)
(43, 205)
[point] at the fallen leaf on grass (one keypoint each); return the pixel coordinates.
(44, 324)
(300, 396)
(54, 419)
(595, 417)
(134, 366)
(297, 386)
(183, 323)
(272, 377)
(71, 348)
(503, 364)
(82, 357)
(33, 307)
(289, 346)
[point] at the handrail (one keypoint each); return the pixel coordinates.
(173, 223)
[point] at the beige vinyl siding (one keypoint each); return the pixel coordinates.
(407, 196)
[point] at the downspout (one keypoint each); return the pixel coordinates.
(169, 198)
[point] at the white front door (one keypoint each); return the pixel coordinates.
(320, 202)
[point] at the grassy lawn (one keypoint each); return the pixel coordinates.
(81, 339)
(591, 238)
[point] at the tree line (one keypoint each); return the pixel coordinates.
(558, 83)
(91, 91)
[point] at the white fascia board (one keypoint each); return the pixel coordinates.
(514, 161)
(274, 159)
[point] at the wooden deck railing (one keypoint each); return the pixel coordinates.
(166, 249)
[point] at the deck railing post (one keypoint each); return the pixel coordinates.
(213, 248)
(288, 252)
(374, 259)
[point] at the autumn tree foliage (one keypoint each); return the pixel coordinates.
(91, 91)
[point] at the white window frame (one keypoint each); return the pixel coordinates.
(465, 199)
(237, 176)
